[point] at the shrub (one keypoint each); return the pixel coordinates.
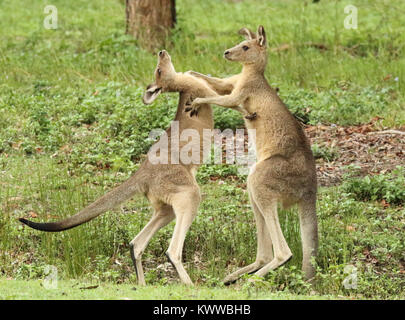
(323, 152)
(389, 187)
(227, 119)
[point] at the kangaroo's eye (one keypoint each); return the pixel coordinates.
(159, 72)
(246, 48)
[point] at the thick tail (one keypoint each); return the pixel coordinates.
(107, 202)
(309, 235)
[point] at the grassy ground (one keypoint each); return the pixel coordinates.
(72, 126)
(68, 290)
(365, 234)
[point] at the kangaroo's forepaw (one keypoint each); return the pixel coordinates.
(251, 116)
(193, 110)
(189, 101)
(194, 107)
(189, 107)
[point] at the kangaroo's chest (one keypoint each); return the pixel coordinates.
(247, 104)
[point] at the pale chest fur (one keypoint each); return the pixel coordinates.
(274, 129)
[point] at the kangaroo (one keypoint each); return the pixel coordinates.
(171, 188)
(285, 169)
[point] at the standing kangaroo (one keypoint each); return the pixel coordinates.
(171, 188)
(285, 169)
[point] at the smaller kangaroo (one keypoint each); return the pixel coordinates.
(285, 169)
(171, 188)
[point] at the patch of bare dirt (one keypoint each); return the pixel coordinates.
(373, 151)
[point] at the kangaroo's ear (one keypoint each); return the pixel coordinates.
(152, 92)
(249, 35)
(261, 36)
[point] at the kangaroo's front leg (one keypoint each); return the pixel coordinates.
(232, 101)
(221, 86)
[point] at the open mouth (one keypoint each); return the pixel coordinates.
(157, 90)
(151, 94)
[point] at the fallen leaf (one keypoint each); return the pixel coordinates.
(15, 199)
(32, 214)
(350, 228)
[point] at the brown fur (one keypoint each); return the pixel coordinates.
(171, 188)
(285, 169)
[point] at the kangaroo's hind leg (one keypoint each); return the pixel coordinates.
(282, 253)
(264, 247)
(185, 207)
(162, 216)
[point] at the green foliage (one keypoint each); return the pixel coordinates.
(342, 103)
(358, 77)
(30, 271)
(72, 126)
(208, 171)
(227, 119)
(105, 127)
(103, 270)
(287, 279)
(389, 187)
(323, 152)
(222, 237)
(73, 290)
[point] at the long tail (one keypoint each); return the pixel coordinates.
(107, 202)
(309, 235)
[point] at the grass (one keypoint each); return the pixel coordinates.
(222, 237)
(388, 188)
(73, 290)
(78, 87)
(72, 126)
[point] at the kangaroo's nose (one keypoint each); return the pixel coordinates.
(226, 52)
(160, 53)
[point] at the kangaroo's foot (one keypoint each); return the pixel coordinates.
(251, 268)
(184, 277)
(138, 266)
(275, 263)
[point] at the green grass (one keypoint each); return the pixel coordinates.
(72, 126)
(78, 88)
(222, 237)
(71, 290)
(388, 188)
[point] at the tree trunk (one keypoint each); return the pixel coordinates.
(150, 21)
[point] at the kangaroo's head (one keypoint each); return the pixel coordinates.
(164, 76)
(250, 51)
